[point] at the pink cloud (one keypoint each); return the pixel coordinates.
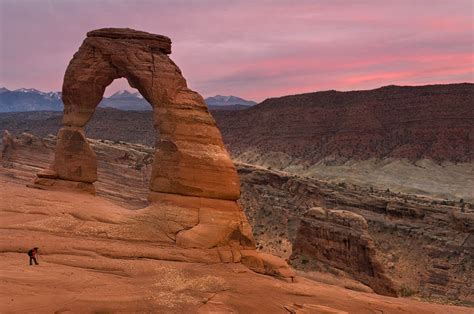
(254, 49)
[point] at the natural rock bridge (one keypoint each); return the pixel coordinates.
(194, 185)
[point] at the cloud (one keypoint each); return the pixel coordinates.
(254, 49)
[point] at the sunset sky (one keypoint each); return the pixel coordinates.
(253, 49)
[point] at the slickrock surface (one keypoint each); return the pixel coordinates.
(93, 259)
(340, 239)
(425, 245)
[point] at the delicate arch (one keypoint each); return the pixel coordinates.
(190, 158)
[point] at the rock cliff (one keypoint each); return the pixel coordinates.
(423, 122)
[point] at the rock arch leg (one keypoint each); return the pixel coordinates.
(190, 158)
(85, 80)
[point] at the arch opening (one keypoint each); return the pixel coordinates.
(121, 151)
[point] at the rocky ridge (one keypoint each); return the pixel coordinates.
(413, 122)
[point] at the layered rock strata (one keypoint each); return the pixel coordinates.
(190, 158)
(340, 239)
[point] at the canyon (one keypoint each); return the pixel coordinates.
(422, 246)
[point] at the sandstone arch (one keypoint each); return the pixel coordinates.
(190, 158)
(194, 185)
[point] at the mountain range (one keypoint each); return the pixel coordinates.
(30, 99)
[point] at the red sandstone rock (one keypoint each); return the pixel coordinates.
(191, 158)
(74, 159)
(340, 239)
(194, 184)
(268, 264)
(8, 148)
(47, 174)
(63, 185)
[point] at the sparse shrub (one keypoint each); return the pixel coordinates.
(406, 291)
(304, 261)
(342, 185)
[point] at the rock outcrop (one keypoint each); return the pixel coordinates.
(8, 149)
(190, 158)
(194, 186)
(340, 239)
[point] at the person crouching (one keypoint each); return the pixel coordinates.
(32, 254)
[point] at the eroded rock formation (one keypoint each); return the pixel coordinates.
(190, 158)
(340, 239)
(194, 184)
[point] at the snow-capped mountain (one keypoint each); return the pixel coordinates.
(125, 100)
(221, 101)
(30, 99)
(125, 94)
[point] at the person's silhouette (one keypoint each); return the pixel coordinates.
(32, 254)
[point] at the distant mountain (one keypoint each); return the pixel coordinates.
(225, 101)
(125, 100)
(30, 99)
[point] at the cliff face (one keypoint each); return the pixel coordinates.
(426, 122)
(340, 240)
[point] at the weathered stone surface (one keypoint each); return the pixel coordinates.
(265, 263)
(162, 43)
(191, 158)
(48, 174)
(198, 222)
(8, 149)
(340, 239)
(58, 184)
(194, 184)
(74, 159)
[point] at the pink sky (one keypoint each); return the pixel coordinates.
(253, 49)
